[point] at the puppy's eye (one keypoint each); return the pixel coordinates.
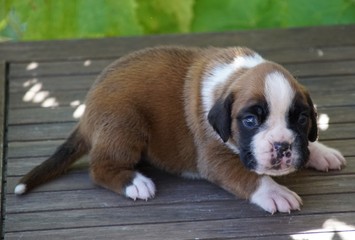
(250, 121)
(303, 119)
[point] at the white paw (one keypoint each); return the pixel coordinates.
(273, 197)
(141, 188)
(324, 158)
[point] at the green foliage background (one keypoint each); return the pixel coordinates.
(63, 19)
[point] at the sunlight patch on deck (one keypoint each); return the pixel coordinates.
(32, 66)
(331, 229)
(323, 121)
(50, 102)
(79, 108)
(87, 63)
(36, 94)
(31, 93)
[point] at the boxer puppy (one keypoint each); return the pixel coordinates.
(225, 115)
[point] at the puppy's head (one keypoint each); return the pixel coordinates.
(268, 117)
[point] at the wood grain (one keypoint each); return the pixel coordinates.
(3, 110)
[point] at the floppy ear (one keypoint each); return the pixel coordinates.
(220, 117)
(313, 132)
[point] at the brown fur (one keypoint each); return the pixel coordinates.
(149, 103)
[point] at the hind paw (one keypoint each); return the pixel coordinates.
(140, 188)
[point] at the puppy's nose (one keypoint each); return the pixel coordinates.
(281, 148)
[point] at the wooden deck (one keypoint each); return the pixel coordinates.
(43, 84)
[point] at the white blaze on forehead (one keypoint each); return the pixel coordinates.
(279, 96)
(220, 74)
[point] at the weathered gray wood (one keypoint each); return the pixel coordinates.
(169, 191)
(164, 213)
(309, 54)
(42, 115)
(338, 114)
(46, 148)
(64, 68)
(321, 69)
(47, 69)
(227, 228)
(2, 139)
(310, 37)
(56, 84)
(305, 235)
(93, 66)
(20, 166)
(65, 114)
(67, 98)
(33, 149)
(320, 184)
(46, 131)
(52, 84)
(328, 83)
(60, 131)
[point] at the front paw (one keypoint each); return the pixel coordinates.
(273, 197)
(324, 158)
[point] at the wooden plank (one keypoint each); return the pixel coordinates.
(65, 114)
(334, 99)
(73, 68)
(46, 131)
(32, 149)
(52, 83)
(68, 98)
(76, 180)
(165, 213)
(41, 115)
(20, 166)
(171, 190)
(46, 148)
(227, 228)
(309, 37)
(294, 55)
(60, 131)
(338, 114)
(310, 54)
(2, 141)
(319, 184)
(64, 68)
(307, 235)
(321, 69)
(63, 98)
(56, 84)
(328, 83)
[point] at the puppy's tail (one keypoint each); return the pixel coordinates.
(66, 154)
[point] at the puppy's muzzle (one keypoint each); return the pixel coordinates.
(281, 155)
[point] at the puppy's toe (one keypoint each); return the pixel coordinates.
(324, 158)
(273, 197)
(140, 188)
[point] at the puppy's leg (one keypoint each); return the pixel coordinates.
(115, 171)
(324, 158)
(115, 152)
(227, 171)
(274, 197)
